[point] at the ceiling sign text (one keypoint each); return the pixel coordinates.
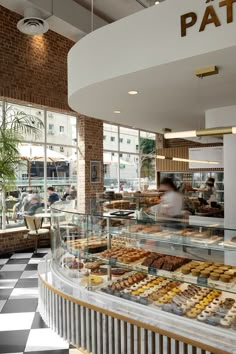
(210, 16)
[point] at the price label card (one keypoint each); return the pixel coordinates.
(112, 261)
(202, 281)
(152, 271)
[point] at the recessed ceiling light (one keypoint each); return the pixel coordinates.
(157, 2)
(133, 92)
(116, 112)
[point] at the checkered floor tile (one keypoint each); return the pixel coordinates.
(22, 329)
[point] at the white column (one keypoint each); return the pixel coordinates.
(219, 117)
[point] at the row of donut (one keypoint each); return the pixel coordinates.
(194, 302)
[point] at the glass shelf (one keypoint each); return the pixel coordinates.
(174, 239)
(176, 275)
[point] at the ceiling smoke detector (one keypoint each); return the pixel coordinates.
(32, 23)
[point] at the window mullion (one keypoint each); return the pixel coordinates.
(118, 160)
(45, 160)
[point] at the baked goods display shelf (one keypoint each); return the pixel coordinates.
(101, 323)
(130, 263)
(196, 240)
(220, 281)
(193, 301)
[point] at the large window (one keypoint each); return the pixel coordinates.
(111, 133)
(47, 158)
(129, 158)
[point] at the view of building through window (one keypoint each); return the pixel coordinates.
(47, 158)
(129, 158)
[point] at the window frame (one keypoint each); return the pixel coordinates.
(46, 114)
(138, 154)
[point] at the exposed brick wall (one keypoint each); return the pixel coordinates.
(32, 68)
(17, 240)
(90, 149)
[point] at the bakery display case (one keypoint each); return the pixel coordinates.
(126, 200)
(179, 277)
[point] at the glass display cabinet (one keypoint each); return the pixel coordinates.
(167, 277)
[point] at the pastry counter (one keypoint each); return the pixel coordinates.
(131, 287)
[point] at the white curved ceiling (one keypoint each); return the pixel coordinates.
(145, 52)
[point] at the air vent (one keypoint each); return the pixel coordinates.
(32, 23)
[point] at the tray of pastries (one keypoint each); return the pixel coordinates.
(125, 255)
(229, 243)
(164, 262)
(93, 264)
(205, 305)
(195, 302)
(103, 270)
(144, 228)
(92, 280)
(118, 204)
(193, 233)
(215, 272)
(72, 263)
(91, 244)
(113, 222)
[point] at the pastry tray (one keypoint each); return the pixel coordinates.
(228, 244)
(175, 237)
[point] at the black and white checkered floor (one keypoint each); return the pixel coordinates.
(22, 329)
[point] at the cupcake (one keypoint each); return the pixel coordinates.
(195, 272)
(214, 276)
(225, 278)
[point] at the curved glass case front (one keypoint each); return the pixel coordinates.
(167, 264)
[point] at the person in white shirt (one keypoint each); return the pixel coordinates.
(171, 204)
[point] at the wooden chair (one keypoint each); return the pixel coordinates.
(34, 226)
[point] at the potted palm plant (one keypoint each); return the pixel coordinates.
(14, 125)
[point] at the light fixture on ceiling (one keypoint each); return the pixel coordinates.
(157, 2)
(201, 132)
(133, 92)
(181, 135)
(207, 71)
(179, 159)
(32, 24)
(116, 112)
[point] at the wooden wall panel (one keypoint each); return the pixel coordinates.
(177, 166)
(168, 165)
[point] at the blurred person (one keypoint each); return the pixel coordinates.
(171, 204)
(35, 205)
(52, 196)
(26, 199)
(18, 208)
(207, 191)
(66, 194)
(73, 193)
